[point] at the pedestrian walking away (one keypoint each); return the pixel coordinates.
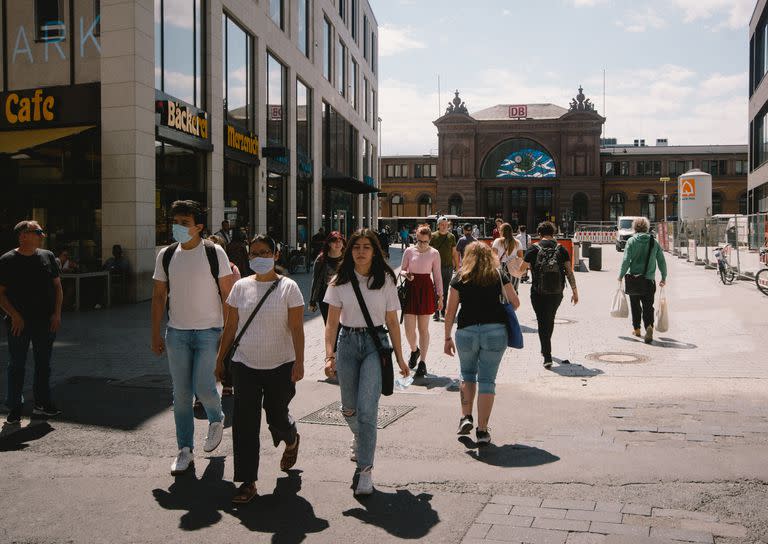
(31, 297)
(510, 254)
(481, 335)
(638, 268)
(421, 269)
(237, 251)
(445, 242)
(404, 238)
(551, 266)
(525, 242)
(193, 278)
(326, 265)
(264, 332)
(359, 360)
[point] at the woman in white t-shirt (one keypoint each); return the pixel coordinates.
(510, 254)
(267, 363)
(357, 358)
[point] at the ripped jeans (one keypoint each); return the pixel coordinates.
(358, 367)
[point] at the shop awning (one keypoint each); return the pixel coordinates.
(337, 180)
(13, 141)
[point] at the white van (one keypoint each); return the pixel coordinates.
(624, 231)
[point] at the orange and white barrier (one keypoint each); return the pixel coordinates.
(595, 236)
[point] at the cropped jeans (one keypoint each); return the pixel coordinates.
(358, 367)
(480, 349)
(192, 361)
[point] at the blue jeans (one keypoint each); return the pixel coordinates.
(40, 336)
(192, 361)
(480, 350)
(358, 367)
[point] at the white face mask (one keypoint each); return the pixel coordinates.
(262, 265)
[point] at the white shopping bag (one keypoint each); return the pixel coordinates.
(619, 306)
(662, 312)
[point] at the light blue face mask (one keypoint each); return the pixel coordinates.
(181, 234)
(262, 265)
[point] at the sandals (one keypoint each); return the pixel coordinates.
(290, 456)
(245, 494)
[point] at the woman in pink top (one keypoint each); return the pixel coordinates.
(421, 268)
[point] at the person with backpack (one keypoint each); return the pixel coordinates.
(638, 270)
(507, 249)
(264, 331)
(362, 299)
(445, 242)
(551, 265)
(525, 242)
(192, 276)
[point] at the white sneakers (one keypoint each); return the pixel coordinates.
(365, 482)
(353, 450)
(184, 460)
(215, 433)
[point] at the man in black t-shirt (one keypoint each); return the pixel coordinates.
(31, 296)
(465, 240)
(547, 292)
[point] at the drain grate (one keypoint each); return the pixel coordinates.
(331, 415)
(617, 358)
(147, 381)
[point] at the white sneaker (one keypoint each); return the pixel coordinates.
(353, 450)
(184, 460)
(365, 482)
(215, 432)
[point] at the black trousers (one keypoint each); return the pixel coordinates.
(546, 307)
(642, 307)
(272, 388)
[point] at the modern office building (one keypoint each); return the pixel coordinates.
(266, 111)
(758, 109)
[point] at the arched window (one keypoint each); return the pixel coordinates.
(648, 206)
(743, 204)
(717, 203)
(518, 158)
(580, 207)
(397, 203)
(616, 203)
(425, 205)
(455, 205)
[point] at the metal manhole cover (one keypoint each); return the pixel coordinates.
(617, 358)
(147, 381)
(331, 415)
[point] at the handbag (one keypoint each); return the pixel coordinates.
(514, 332)
(231, 351)
(619, 306)
(402, 295)
(662, 312)
(385, 354)
(638, 284)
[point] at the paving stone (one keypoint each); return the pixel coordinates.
(561, 524)
(686, 535)
(609, 506)
(495, 519)
(521, 535)
(538, 512)
(637, 429)
(516, 501)
(648, 521)
(605, 517)
(585, 538)
(699, 438)
(683, 514)
(618, 529)
(568, 504)
(631, 539)
(474, 541)
(501, 509)
(638, 509)
(717, 529)
(478, 530)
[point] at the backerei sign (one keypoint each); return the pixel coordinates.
(181, 123)
(241, 145)
(50, 107)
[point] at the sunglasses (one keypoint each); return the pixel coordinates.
(39, 232)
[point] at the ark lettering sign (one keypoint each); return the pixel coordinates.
(179, 117)
(243, 142)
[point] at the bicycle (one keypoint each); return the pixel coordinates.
(761, 278)
(292, 258)
(726, 272)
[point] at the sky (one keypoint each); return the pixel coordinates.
(674, 69)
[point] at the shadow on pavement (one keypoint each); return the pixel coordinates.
(527, 330)
(284, 513)
(402, 514)
(574, 370)
(15, 437)
(508, 455)
(661, 342)
(430, 381)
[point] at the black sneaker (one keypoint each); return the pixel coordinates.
(413, 361)
(422, 370)
(465, 425)
(436, 317)
(14, 417)
(482, 438)
(47, 410)
(547, 362)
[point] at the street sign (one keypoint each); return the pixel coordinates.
(664, 180)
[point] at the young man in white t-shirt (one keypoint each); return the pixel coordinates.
(525, 242)
(195, 321)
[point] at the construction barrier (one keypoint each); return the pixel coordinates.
(595, 236)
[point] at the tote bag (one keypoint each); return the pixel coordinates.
(514, 332)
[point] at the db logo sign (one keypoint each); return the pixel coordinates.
(688, 189)
(518, 112)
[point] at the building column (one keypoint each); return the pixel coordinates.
(260, 71)
(506, 204)
(214, 101)
(128, 138)
(290, 112)
(317, 162)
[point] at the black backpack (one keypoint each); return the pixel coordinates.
(549, 271)
(210, 253)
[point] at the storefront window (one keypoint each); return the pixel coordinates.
(275, 102)
(178, 49)
(179, 175)
(494, 202)
(340, 147)
(239, 194)
(518, 205)
(238, 74)
(304, 158)
(648, 206)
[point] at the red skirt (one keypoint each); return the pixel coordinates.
(421, 296)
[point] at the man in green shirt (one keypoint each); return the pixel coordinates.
(445, 242)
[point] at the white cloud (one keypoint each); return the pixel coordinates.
(640, 21)
(394, 40)
(736, 12)
(586, 3)
(721, 85)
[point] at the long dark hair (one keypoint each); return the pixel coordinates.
(335, 235)
(379, 267)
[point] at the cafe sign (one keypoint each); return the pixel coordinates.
(49, 107)
(183, 118)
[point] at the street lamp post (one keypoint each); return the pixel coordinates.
(379, 176)
(664, 180)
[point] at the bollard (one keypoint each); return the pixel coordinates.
(585, 249)
(596, 258)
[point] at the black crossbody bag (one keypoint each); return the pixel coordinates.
(638, 284)
(385, 354)
(231, 351)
